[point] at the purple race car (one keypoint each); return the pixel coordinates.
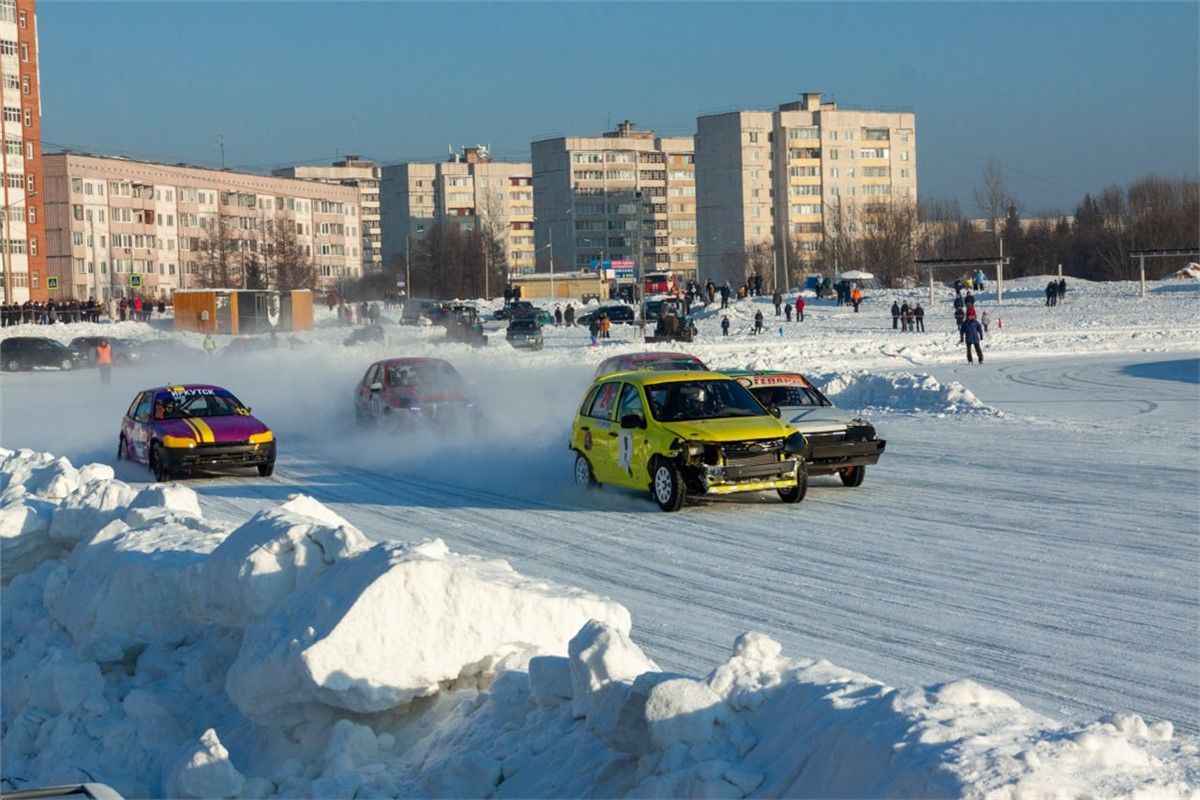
(177, 429)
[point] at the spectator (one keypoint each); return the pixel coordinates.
(973, 335)
(725, 325)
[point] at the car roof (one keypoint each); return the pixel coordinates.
(408, 361)
(187, 387)
(768, 377)
(652, 377)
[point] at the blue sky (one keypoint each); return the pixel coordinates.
(1068, 98)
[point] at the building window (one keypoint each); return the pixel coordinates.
(12, 114)
(904, 155)
(29, 150)
(33, 247)
(24, 23)
(24, 52)
(12, 147)
(28, 117)
(33, 215)
(25, 84)
(8, 47)
(753, 136)
(12, 82)
(32, 184)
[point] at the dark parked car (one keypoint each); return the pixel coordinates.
(525, 332)
(514, 309)
(123, 350)
(167, 349)
(27, 352)
(615, 314)
(367, 333)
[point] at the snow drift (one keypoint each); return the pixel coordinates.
(169, 655)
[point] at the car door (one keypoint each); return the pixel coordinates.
(633, 444)
(600, 432)
(368, 401)
(136, 427)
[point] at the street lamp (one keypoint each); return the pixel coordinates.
(408, 291)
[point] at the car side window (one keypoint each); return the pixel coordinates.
(602, 403)
(631, 402)
(141, 411)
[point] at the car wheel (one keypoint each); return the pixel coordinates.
(66, 363)
(668, 488)
(797, 492)
(13, 364)
(584, 477)
(266, 470)
(158, 465)
(852, 476)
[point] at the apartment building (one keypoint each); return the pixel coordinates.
(118, 228)
(363, 174)
(469, 190)
(626, 197)
(795, 174)
(23, 273)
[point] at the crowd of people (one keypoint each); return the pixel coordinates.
(70, 310)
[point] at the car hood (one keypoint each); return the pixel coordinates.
(817, 419)
(212, 430)
(728, 429)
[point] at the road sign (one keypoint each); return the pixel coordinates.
(135, 281)
(51, 283)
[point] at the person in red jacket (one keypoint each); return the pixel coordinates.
(799, 308)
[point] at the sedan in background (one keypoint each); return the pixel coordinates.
(525, 332)
(124, 351)
(649, 360)
(29, 352)
(617, 313)
(840, 442)
(403, 392)
(179, 429)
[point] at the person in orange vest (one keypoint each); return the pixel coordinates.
(104, 360)
(856, 297)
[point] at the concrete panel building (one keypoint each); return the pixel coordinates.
(793, 174)
(625, 197)
(353, 171)
(119, 228)
(469, 190)
(23, 272)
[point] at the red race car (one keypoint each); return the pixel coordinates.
(178, 429)
(403, 391)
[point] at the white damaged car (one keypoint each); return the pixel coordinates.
(839, 441)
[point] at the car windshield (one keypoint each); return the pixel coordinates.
(430, 377)
(181, 403)
(794, 395)
(701, 399)
(523, 324)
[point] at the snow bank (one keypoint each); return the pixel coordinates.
(168, 655)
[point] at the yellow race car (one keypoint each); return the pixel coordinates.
(682, 433)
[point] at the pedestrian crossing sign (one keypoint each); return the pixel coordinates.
(135, 281)
(51, 283)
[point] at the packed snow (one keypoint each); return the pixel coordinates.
(1007, 607)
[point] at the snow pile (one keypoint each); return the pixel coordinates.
(902, 392)
(1189, 272)
(170, 655)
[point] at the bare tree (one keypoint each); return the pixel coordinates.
(992, 197)
(889, 240)
(220, 263)
(289, 265)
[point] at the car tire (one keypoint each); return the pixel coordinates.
(852, 476)
(13, 365)
(584, 477)
(798, 492)
(266, 470)
(158, 464)
(66, 363)
(667, 485)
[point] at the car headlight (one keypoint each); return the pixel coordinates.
(178, 441)
(795, 444)
(860, 432)
(261, 438)
(694, 449)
